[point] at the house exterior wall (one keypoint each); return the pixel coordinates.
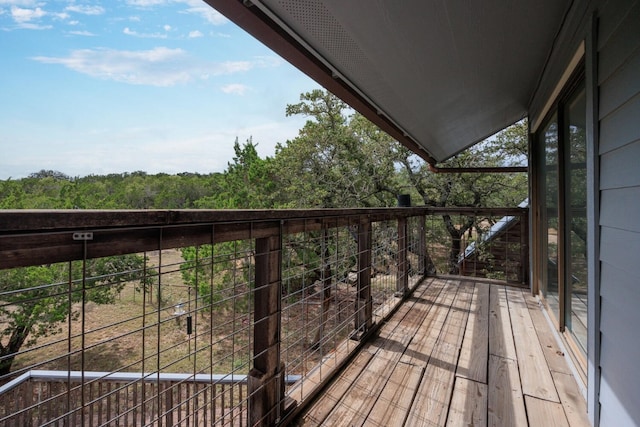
(610, 30)
(618, 49)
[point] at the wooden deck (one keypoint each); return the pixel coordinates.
(457, 353)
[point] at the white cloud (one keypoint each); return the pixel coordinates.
(160, 66)
(85, 9)
(231, 67)
(195, 34)
(133, 33)
(145, 3)
(30, 26)
(22, 16)
(25, 3)
(198, 7)
(82, 33)
(235, 89)
(60, 15)
(156, 67)
(30, 17)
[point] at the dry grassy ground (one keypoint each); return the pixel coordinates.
(124, 335)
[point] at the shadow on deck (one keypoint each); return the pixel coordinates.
(457, 352)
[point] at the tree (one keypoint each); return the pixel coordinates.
(50, 174)
(337, 160)
(37, 300)
(471, 189)
(341, 160)
(247, 183)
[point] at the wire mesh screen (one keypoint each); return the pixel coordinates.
(318, 299)
(206, 321)
(166, 336)
(479, 245)
(384, 271)
(180, 319)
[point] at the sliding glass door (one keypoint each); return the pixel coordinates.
(560, 145)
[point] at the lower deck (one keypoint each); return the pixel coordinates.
(457, 352)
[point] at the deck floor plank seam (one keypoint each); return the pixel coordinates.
(426, 365)
(434, 394)
(473, 360)
(425, 339)
(534, 371)
(303, 389)
(358, 400)
(468, 403)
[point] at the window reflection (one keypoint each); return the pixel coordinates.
(576, 280)
(550, 215)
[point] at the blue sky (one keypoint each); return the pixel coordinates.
(97, 87)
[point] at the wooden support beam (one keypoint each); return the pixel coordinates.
(266, 382)
(423, 259)
(498, 169)
(364, 302)
(524, 248)
(402, 282)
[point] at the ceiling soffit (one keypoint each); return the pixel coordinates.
(437, 75)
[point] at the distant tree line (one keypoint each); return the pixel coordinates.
(338, 160)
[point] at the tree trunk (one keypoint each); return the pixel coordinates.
(454, 268)
(456, 237)
(7, 354)
(326, 291)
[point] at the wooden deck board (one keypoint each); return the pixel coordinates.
(500, 334)
(335, 392)
(552, 352)
(422, 345)
(572, 401)
(393, 405)
(426, 366)
(425, 292)
(534, 371)
(432, 399)
(506, 402)
(388, 348)
(475, 347)
(468, 404)
(545, 413)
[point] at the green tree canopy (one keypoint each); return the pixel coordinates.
(36, 300)
(337, 160)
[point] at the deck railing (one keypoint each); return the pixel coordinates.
(220, 317)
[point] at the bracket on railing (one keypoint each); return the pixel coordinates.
(83, 235)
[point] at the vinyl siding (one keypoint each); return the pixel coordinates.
(619, 153)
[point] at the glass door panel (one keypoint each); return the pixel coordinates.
(576, 203)
(549, 221)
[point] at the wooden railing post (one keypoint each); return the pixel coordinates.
(423, 261)
(524, 248)
(266, 379)
(402, 277)
(364, 301)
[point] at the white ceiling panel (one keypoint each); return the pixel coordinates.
(446, 73)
